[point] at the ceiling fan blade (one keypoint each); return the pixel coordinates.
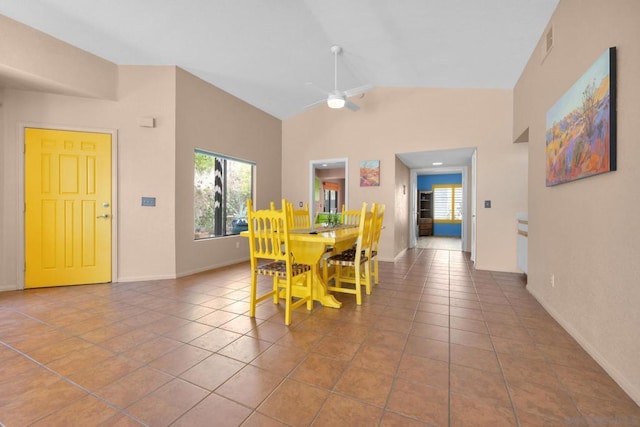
(358, 90)
(319, 89)
(313, 104)
(351, 106)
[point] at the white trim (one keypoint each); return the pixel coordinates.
(312, 169)
(617, 376)
(413, 210)
(200, 269)
(21, 201)
(397, 257)
(466, 217)
(413, 187)
(145, 278)
(473, 208)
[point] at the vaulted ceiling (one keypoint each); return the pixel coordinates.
(264, 52)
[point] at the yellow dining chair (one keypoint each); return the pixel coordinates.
(269, 241)
(347, 217)
(377, 210)
(298, 218)
(353, 266)
(378, 218)
(350, 217)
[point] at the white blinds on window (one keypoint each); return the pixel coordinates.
(442, 203)
(457, 204)
(447, 203)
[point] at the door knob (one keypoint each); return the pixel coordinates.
(103, 216)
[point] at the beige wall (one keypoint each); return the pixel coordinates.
(399, 120)
(5, 209)
(211, 119)
(31, 59)
(146, 247)
(152, 242)
(586, 232)
(402, 205)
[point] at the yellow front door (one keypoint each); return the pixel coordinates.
(67, 208)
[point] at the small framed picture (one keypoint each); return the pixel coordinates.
(370, 173)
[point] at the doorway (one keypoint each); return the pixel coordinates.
(330, 197)
(68, 197)
(328, 185)
(442, 162)
(436, 242)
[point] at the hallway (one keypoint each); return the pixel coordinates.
(435, 344)
(438, 242)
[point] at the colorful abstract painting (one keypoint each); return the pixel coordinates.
(370, 173)
(581, 126)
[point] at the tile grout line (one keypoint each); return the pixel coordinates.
(69, 381)
(495, 352)
(450, 415)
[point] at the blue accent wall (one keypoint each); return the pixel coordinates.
(426, 183)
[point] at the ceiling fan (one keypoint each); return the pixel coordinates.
(336, 98)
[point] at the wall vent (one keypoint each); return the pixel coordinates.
(547, 43)
(549, 39)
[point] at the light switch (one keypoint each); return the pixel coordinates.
(487, 203)
(148, 201)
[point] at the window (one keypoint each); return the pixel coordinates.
(330, 196)
(447, 203)
(222, 186)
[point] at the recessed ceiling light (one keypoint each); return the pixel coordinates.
(437, 163)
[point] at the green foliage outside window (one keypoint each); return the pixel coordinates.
(221, 188)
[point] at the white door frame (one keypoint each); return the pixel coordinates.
(21, 198)
(312, 176)
(468, 211)
(474, 165)
(413, 208)
(413, 229)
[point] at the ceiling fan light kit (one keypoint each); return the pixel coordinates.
(337, 99)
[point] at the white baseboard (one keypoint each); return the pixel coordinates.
(143, 278)
(9, 287)
(212, 267)
(184, 273)
(617, 376)
(401, 253)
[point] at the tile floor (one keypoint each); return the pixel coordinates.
(436, 344)
(439, 242)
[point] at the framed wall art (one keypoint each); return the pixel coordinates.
(581, 125)
(370, 173)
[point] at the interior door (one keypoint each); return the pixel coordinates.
(67, 208)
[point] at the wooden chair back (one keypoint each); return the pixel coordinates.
(353, 265)
(378, 218)
(298, 218)
(350, 217)
(376, 230)
(268, 235)
(269, 241)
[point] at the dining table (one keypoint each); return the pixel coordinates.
(309, 245)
